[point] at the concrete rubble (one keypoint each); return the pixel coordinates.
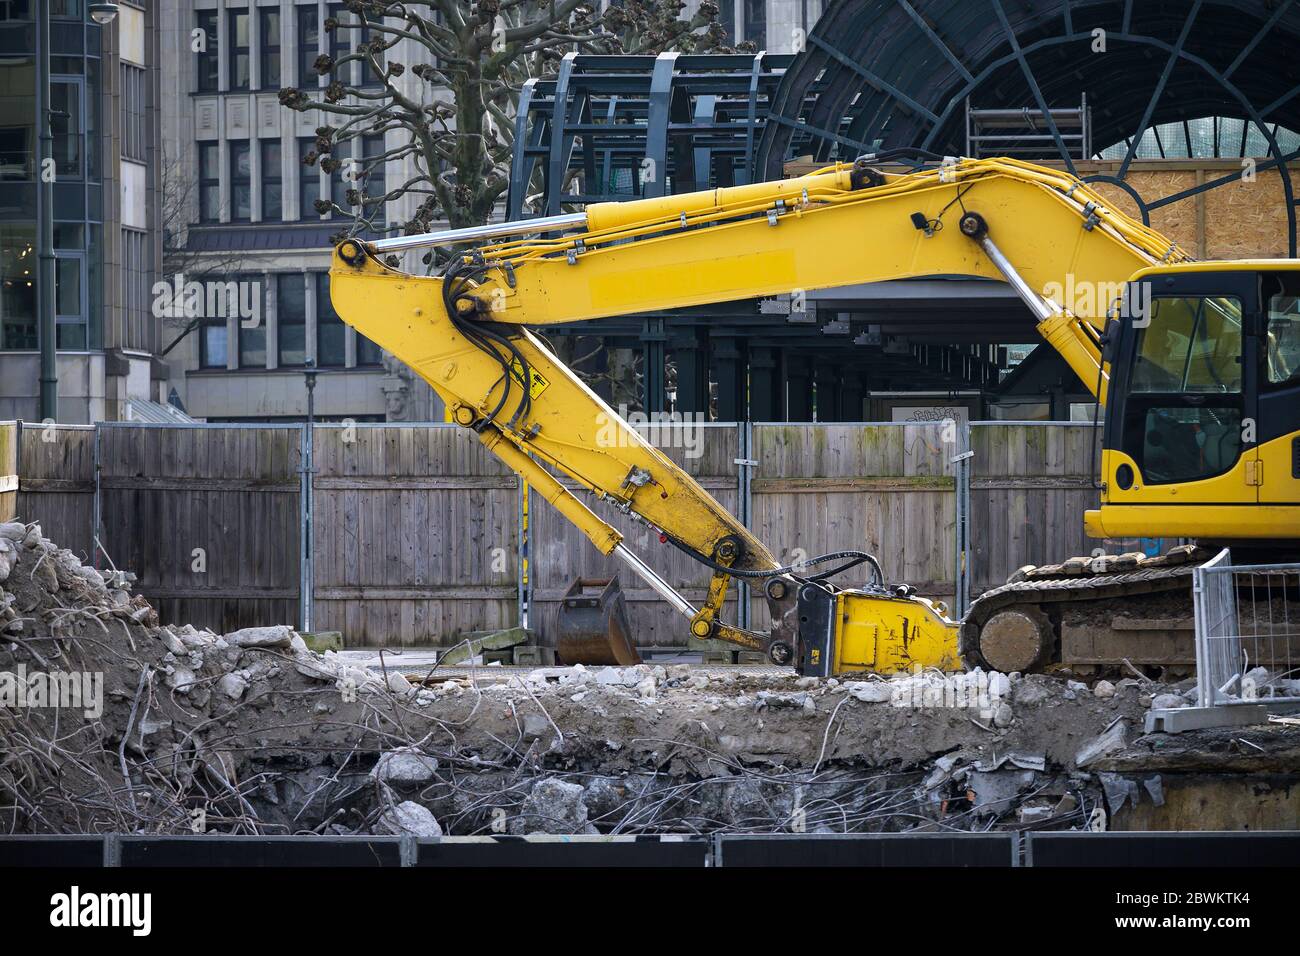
(253, 732)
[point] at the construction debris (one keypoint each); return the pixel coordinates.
(253, 732)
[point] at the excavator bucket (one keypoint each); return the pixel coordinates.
(593, 624)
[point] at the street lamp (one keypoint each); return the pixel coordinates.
(308, 519)
(103, 13)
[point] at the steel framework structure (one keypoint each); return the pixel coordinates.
(879, 74)
(1161, 78)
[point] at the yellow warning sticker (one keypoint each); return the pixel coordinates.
(537, 383)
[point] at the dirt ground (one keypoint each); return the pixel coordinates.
(253, 732)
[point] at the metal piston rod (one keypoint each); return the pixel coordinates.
(648, 575)
(474, 233)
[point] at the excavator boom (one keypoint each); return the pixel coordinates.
(465, 332)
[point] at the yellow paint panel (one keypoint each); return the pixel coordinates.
(891, 635)
(1230, 487)
(1280, 482)
(1257, 522)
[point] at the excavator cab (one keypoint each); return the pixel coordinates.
(1202, 434)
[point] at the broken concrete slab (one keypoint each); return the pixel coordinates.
(406, 765)
(474, 643)
(1112, 740)
(275, 636)
(409, 817)
(553, 806)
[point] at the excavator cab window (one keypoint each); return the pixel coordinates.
(1184, 409)
(1279, 380)
(1282, 335)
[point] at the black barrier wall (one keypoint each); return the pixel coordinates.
(1256, 849)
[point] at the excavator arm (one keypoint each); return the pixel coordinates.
(465, 332)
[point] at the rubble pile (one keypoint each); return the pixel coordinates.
(174, 729)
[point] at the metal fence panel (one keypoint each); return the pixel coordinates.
(1247, 632)
(868, 849)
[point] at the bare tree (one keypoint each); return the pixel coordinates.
(456, 129)
(177, 205)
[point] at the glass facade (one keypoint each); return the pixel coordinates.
(73, 180)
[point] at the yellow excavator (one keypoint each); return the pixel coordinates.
(1196, 363)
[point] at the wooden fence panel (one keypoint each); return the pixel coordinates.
(1031, 482)
(8, 470)
(886, 489)
(56, 483)
(559, 552)
(208, 517)
(416, 535)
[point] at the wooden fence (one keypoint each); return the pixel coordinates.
(416, 534)
(559, 552)
(206, 517)
(1030, 485)
(418, 531)
(883, 488)
(8, 470)
(56, 483)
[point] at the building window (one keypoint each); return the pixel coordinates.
(213, 341)
(373, 182)
(368, 75)
(207, 58)
(134, 113)
(291, 318)
(252, 338)
(308, 179)
(272, 206)
(66, 124)
(308, 45)
(368, 353)
(237, 34)
(18, 265)
(70, 299)
(331, 333)
(241, 181)
(727, 20)
(269, 27)
(339, 40)
(756, 22)
(137, 276)
(341, 180)
(209, 182)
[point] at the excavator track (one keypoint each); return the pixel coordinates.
(1098, 613)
